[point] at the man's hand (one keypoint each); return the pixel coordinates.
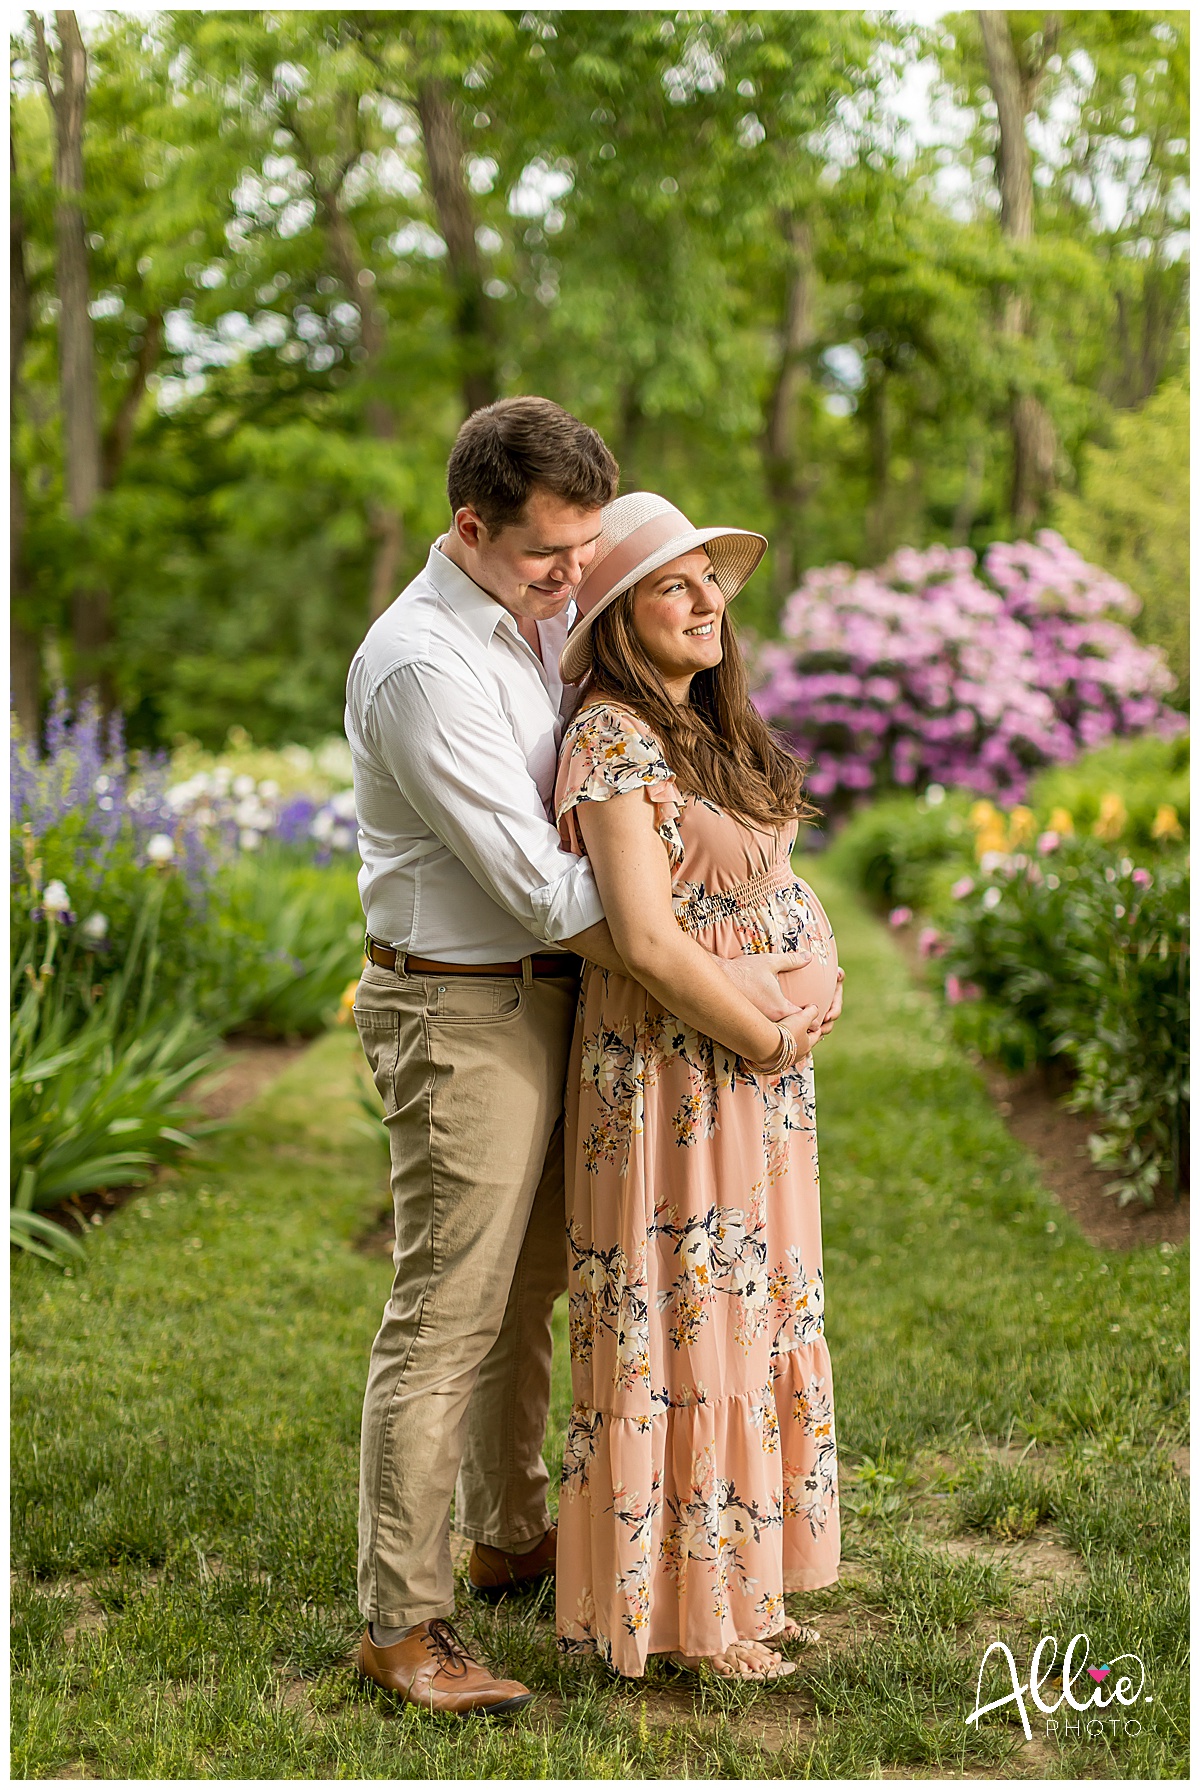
(756, 975)
(835, 1009)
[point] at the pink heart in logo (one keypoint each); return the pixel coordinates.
(1099, 1673)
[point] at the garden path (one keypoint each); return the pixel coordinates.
(1010, 1401)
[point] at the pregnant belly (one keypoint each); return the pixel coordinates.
(814, 983)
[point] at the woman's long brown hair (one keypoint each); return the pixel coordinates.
(717, 744)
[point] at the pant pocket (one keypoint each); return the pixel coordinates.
(379, 1034)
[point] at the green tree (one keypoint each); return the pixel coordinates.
(1131, 515)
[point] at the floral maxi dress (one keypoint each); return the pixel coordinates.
(700, 1471)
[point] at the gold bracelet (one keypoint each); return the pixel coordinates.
(784, 1057)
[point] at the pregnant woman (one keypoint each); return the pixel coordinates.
(700, 1470)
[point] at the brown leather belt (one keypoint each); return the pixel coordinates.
(555, 963)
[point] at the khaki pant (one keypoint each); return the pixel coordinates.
(471, 1072)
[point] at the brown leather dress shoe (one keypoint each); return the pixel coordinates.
(493, 1574)
(431, 1667)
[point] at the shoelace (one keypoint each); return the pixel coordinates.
(449, 1646)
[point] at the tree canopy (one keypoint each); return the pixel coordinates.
(315, 240)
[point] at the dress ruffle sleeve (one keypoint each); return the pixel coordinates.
(607, 752)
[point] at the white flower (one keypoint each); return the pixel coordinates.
(249, 839)
(246, 812)
(268, 789)
(593, 1274)
(935, 794)
(343, 804)
(992, 897)
(695, 1251)
(749, 1282)
(991, 861)
(343, 838)
(733, 1526)
(55, 900)
(322, 826)
(95, 926)
(243, 786)
(334, 759)
(161, 849)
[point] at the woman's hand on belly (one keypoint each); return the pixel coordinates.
(756, 975)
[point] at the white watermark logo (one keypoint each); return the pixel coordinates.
(1122, 1689)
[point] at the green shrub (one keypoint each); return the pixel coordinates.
(97, 1079)
(1082, 955)
(1148, 774)
(1051, 943)
(307, 922)
(894, 849)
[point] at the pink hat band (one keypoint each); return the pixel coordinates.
(609, 573)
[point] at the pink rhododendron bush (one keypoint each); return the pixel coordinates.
(933, 669)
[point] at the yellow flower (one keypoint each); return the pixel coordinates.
(983, 814)
(1061, 821)
(1166, 823)
(1113, 816)
(345, 1012)
(992, 838)
(1022, 825)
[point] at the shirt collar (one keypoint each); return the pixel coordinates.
(481, 612)
(469, 601)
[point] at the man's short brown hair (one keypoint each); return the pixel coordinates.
(506, 450)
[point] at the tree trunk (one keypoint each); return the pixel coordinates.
(1034, 445)
(787, 488)
(630, 421)
(387, 524)
(25, 660)
(119, 433)
(474, 317)
(879, 460)
(968, 504)
(1145, 335)
(91, 619)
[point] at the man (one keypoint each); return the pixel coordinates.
(476, 922)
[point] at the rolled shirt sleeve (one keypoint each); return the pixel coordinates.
(462, 771)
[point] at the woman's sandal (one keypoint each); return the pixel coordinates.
(703, 1666)
(795, 1631)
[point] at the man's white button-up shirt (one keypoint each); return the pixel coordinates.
(454, 726)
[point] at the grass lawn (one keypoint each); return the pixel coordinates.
(1008, 1400)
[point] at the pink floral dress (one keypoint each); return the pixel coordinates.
(700, 1471)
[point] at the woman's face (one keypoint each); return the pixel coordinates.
(677, 615)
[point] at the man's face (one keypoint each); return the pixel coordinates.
(533, 565)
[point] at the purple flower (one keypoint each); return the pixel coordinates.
(933, 669)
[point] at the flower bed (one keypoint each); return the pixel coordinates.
(151, 914)
(1055, 943)
(933, 670)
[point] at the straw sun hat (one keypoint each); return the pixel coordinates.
(639, 533)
